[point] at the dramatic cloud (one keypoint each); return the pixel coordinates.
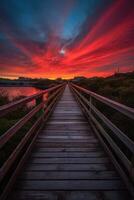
(66, 39)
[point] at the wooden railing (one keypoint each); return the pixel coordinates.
(13, 164)
(101, 124)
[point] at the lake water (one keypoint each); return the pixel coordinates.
(13, 92)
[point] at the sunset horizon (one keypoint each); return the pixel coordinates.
(88, 39)
(64, 78)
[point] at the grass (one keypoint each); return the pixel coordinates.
(8, 121)
(118, 87)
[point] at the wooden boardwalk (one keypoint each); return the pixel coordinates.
(68, 162)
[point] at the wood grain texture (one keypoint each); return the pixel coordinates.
(69, 195)
(68, 162)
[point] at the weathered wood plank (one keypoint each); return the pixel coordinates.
(67, 115)
(65, 132)
(68, 175)
(71, 124)
(68, 128)
(68, 149)
(78, 129)
(66, 137)
(66, 119)
(65, 144)
(68, 160)
(80, 123)
(69, 167)
(70, 185)
(68, 154)
(67, 112)
(61, 140)
(69, 195)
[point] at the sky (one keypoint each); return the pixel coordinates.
(66, 38)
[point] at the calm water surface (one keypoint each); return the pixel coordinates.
(13, 92)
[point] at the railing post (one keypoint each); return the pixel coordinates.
(132, 170)
(90, 104)
(38, 101)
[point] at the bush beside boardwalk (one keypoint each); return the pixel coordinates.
(7, 122)
(118, 87)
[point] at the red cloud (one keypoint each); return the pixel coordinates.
(109, 42)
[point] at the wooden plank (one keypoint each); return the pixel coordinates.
(65, 107)
(66, 144)
(67, 115)
(69, 167)
(66, 119)
(45, 130)
(54, 122)
(71, 132)
(52, 130)
(33, 195)
(58, 140)
(67, 128)
(69, 195)
(66, 137)
(70, 185)
(67, 112)
(68, 175)
(64, 132)
(74, 134)
(68, 149)
(64, 125)
(68, 154)
(55, 160)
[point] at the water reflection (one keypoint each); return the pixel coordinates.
(14, 93)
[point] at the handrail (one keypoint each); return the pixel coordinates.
(10, 132)
(129, 112)
(30, 135)
(7, 164)
(115, 147)
(124, 165)
(124, 138)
